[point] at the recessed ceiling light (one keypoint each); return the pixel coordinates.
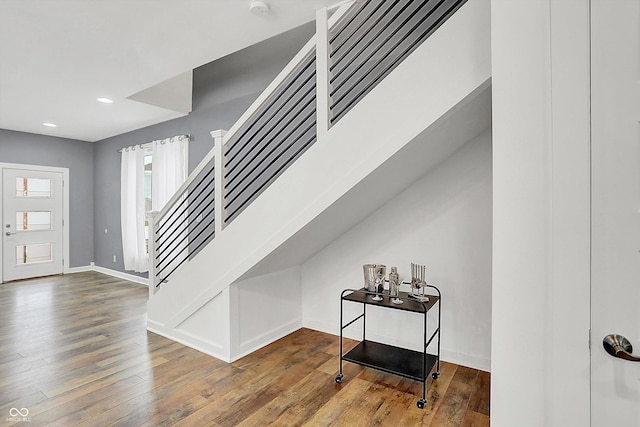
(106, 100)
(50, 125)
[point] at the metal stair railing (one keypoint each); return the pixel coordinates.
(352, 51)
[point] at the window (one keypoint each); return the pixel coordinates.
(33, 187)
(150, 175)
(33, 253)
(29, 221)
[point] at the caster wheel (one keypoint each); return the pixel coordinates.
(339, 379)
(421, 403)
(435, 375)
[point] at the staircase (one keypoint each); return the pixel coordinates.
(372, 102)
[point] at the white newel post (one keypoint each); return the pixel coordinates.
(322, 72)
(218, 158)
(151, 219)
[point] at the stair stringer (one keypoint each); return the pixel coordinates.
(449, 66)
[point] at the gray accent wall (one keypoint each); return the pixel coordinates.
(222, 92)
(40, 150)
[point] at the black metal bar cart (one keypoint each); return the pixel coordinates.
(407, 363)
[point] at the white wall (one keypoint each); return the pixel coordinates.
(264, 309)
(207, 329)
(540, 77)
(444, 221)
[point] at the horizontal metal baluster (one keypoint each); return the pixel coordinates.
(276, 112)
(233, 170)
(179, 245)
(175, 244)
(188, 213)
(402, 55)
(176, 267)
(273, 176)
(268, 103)
(193, 198)
(209, 170)
(191, 210)
(189, 223)
(165, 220)
(262, 180)
(348, 20)
(186, 257)
(194, 242)
(399, 31)
(365, 33)
(307, 117)
(231, 184)
(177, 229)
(379, 33)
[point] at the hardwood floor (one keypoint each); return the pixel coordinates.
(74, 351)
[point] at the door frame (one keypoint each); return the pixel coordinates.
(541, 308)
(65, 206)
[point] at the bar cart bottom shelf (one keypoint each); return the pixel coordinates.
(391, 359)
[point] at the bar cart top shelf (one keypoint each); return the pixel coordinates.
(408, 304)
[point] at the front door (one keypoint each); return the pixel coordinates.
(615, 229)
(32, 222)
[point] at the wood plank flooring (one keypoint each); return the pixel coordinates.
(74, 351)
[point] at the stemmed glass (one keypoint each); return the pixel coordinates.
(380, 273)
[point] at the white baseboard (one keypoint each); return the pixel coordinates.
(468, 360)
(256, 343)
(80, 269)
(121, 275)
(217, 350)
(462, 359)
(204, 346)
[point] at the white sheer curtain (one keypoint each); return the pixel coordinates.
(132, 211)
(169, 170)
(168, 173)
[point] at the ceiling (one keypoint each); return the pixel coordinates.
(58, 56)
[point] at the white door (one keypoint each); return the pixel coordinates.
(32, 221)
(615, 212)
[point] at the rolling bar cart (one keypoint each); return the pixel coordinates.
(407, 363)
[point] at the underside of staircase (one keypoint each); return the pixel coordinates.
(242, 290)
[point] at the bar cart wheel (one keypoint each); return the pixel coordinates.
(421, 403)
(339, 379)
(435, 375)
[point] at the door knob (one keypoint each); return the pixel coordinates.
(8, 233)
(618, 346)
